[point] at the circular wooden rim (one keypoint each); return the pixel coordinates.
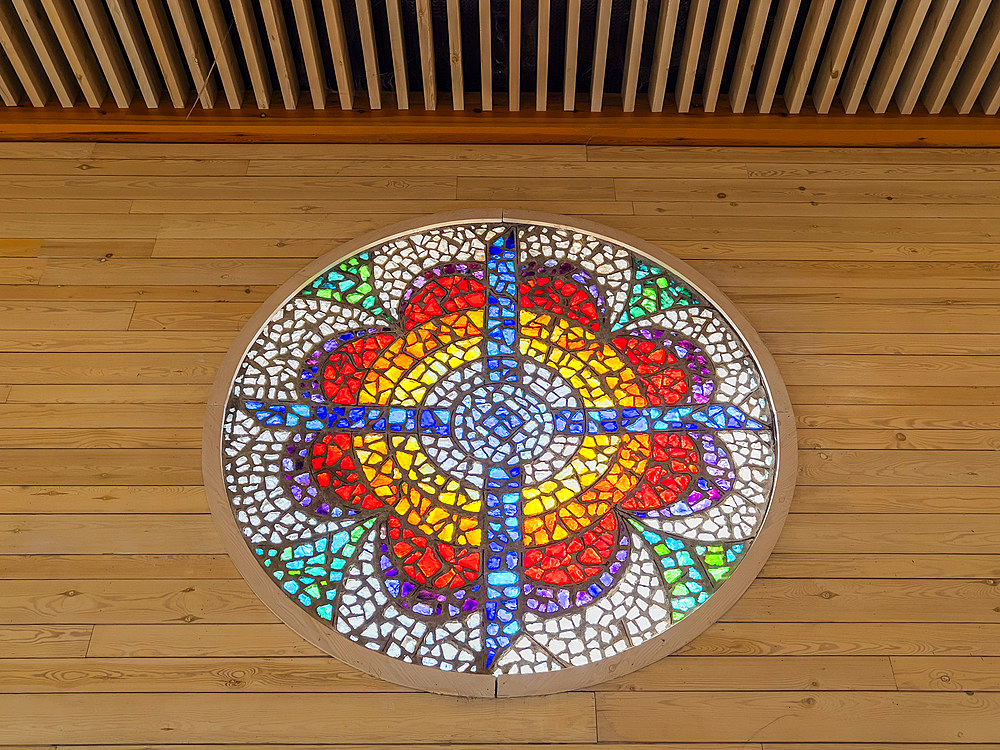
(485, 685)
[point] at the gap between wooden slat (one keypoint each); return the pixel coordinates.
(746, 57)
(838, 50)
(253, 51)
(990, 96)
(140, 56)
(399, 72)
(774, 57)
(157, 28)
(78, 52)
(719, 53)
(979, 62)
(10, 89)
(198, 62)
(925, 50)
(948, 63)
(281, 51)
(368, 49)
(905, 29)
(486, 55)
(865, 53)
(542, 56)
(514, 56)
(224, 55)
(117, 73)
(22, 59)
(47, 49)
(690, 53)
(305, 26)
(659, 71)
(806, 54)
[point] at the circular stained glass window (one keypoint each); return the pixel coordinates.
(499, 455)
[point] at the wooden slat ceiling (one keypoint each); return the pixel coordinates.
(730, 56)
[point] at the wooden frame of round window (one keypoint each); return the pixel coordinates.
(487, 684)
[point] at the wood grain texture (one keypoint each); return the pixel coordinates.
(275, 718)
(193, 640)
(872, 275)
(979, 673)
(440, 126)
(103, 565)
(60, 499)
(41, 641)
(325, 675)
(874, 716)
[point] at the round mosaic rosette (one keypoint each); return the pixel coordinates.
(498, 448)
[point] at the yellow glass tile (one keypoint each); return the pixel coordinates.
(533, 508)
(435, 515)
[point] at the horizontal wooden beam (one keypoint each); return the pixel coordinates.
(498, 126)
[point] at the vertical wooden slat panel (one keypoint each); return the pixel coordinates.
(486, 55)
(690, 52)
(599, 68)
(22, 58)
(223, 51)
(305, 25)
(774, 58)
(572, 49)
(253, 51)
(106, 47)
(455, 54)
(719, 53)
(396, 45)
(905, 51)
(425, 33)
(807, 52)
(904, 33)
(633, 53)
(925, 50)
(978, 63)
(514, 57)
(66, 26)
(957, 43)
(746, 57)
(542, 56)
(10, 89)
(838, 48)
(367, 28)
(47, 49)
(990, 97)
(157, 26)
(140, 56)
(198, 62)
(865, 53)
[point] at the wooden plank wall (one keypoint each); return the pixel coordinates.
(872, 275)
